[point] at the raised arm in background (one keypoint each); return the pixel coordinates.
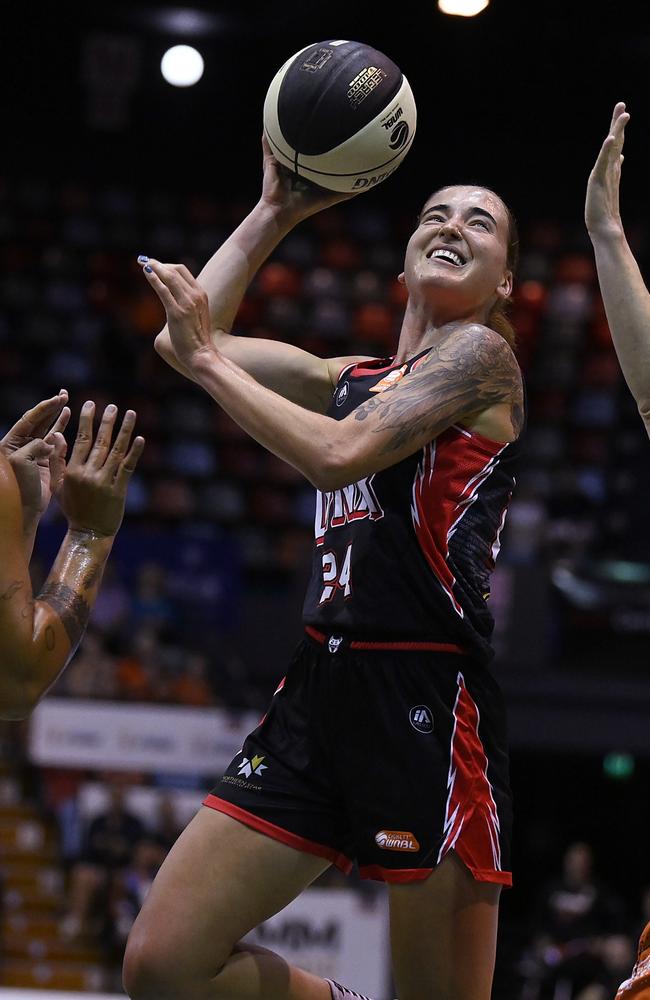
(38, 635)
(625, 295)
(284, 368)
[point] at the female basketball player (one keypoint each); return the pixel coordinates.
(627, 304)
(385, 742)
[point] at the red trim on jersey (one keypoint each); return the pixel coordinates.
(471, 818)
(359, 370)
(436, 647)
(344, 369)
(419, 874)
(446, 484)
(278, 833)
(489, 443)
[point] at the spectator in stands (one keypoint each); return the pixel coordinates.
(192, 686)
(111, 610)
(167, 826)
(140, 673)
(574, 912)
(108, 849)
(92, 673)
(151, 606)
(131, 885)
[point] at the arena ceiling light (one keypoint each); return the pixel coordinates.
(182, 66)
(463, 8)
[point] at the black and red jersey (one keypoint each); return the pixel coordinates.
(405, 555)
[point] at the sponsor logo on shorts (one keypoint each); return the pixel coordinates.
(396, 840)
(421, 718)
(252, 766)
(343, 394)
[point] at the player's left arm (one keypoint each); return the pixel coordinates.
(471, 370)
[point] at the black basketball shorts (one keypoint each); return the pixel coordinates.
(389, 758)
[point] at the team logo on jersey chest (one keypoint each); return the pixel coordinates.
(351, 503)
(389, 380)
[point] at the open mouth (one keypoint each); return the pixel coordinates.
(449, 256)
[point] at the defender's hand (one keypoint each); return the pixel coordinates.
(47, 417)
(93, 492)
(602, 215)
(35, 448)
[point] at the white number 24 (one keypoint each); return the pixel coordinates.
(335, 579)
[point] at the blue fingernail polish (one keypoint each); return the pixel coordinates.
(148, 269)
(142, 259)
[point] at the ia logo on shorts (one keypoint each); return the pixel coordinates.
(250, 767)
(421, 718)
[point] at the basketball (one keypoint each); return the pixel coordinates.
(340, 114)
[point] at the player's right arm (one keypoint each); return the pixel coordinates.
(38, 635)
(291, 372)
(625, 296)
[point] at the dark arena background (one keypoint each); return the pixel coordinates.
(103, 160)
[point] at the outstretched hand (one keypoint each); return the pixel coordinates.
(602, 214)
(294, 197)
(186, 305)
(93, 492)
(35, 448)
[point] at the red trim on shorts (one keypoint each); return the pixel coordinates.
(419, 874)
(278, 833)
(436, 647)
(472, 825)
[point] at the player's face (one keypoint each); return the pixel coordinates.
(458, 253)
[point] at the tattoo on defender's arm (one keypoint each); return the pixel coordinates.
(466, 373)
(71, 607)
(11, 590)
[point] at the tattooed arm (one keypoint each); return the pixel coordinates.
(470, 377)
(39, 635)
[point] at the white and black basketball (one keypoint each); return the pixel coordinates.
(340, 114)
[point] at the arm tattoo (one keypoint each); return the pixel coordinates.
(71, 607)
(517, 416)
(92, 576)
(11, 590)
(469, 371)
